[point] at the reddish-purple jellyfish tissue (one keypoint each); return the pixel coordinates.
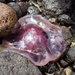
(37, 39)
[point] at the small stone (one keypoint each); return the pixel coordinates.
(52, 68)
(24, 6)
(64, 18)
(70, 56)
(72, 44)
(52, 20)
(33, 10)
(68, 71)
(20, 8)
(67, 34)
(63, 63)
(16, 7)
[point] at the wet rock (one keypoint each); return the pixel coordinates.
(33, 10)
(57, 6)
(12, 63)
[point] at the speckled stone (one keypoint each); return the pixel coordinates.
(12, 63)
(8, 18)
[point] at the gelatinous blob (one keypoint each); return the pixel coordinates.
(37, 39)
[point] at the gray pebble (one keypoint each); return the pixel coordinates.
(16, 7)
(12, 63)
(70, 56)
(32, 10)
(64, 18)
(57, 6)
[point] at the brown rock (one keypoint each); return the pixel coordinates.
(63, 63)
(7, 19)
(67, 34)
(24, 6)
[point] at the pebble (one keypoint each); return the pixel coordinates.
(68, 71)
(67, 34)
(63, 63)
(64, 18)
(70, 56)
(20, 8)
(33, 10)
